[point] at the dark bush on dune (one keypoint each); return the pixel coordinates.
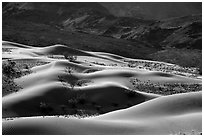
(72, 81)
(8, 85)
(10, 70)
(70, 58)
(164, 88)
(83, 82)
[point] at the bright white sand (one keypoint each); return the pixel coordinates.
(150, 114)
(165, 115)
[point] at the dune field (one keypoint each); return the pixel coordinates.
(61, 90)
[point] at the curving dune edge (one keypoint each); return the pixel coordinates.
(97, 84)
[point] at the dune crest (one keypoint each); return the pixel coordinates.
(128, 121)
(63, 82)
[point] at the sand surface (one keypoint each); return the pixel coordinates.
(97, 84)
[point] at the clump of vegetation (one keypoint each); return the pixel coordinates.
(97, 63)
(9, 50)
(70, 58)
(164, 67)
(69, 70)
(8, 85)
(165, 88)
(72, 81)
(79, 115)
(83, 82)
(77, 104)
(9, 73)
(10, 70)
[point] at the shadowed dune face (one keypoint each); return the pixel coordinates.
(163, 106)
(55, 95)
(128, 121)
(95, 83)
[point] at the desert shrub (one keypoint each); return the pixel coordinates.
(27, 69)
(170, 69)
(72, 81)
(165, 88)
(10, 70)
(131, 65)
(69, 70)
(103, 64)
(70, 58)
(8, 85)
(26, 66)
(83, 82)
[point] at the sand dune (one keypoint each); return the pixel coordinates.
(55, 94)
(134, 120)
(96, 83)
(164, 106)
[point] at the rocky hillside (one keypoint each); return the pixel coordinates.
(80, 24)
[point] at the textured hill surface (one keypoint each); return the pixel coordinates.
(90, 26)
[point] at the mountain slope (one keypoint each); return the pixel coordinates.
(79, 25)
(153, 10)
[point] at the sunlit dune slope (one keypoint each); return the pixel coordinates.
(97, 84)
(173, 114)
(171, 105)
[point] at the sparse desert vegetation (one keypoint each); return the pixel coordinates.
(69, 89)
(70, 58)
(164, 67)
(101, 68)
(9, 73)
(165, 88)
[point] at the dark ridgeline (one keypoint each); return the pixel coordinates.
(137, 30)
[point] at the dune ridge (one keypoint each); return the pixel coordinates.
(95, 84)
(135, 122)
